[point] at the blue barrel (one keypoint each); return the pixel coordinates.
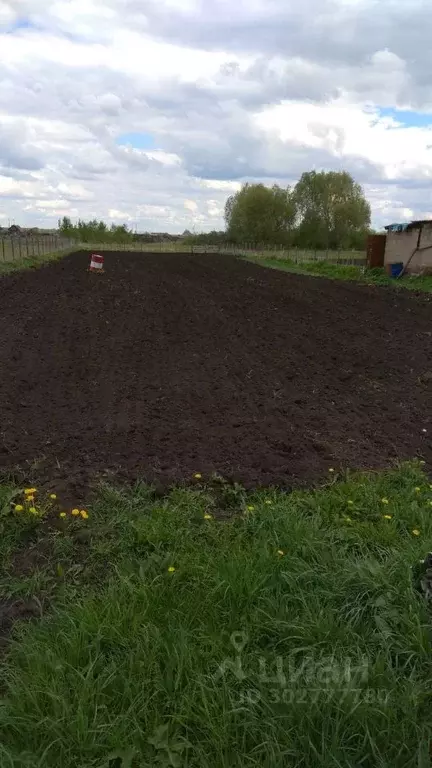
(396, 269)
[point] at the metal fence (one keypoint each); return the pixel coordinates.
(17, 247)
(298, 255)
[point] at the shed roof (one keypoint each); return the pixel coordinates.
(407, 225)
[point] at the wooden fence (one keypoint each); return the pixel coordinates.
(17, 247)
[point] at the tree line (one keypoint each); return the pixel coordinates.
(95, 231)
(324, 210)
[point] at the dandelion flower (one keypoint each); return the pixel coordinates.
(280, 552)
(417, 489)
(33, 510)
(387, 517)
(171, 569)
(268, 501)
(62, 514)
(29, 498)
(84, 514)
(28, 491)
(430, 503)
(422, 462)
(53, 496)
(19, 507)
(348, 520)
(384, 501)
(331, 469)
(75, 512)
(207, 516)
(350, 503)
(197, 475)
(250, 508)
(416, 532)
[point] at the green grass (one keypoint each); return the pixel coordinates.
(317, 657)
(347, 272)
(32, 262)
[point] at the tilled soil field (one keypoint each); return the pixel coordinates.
(169, 365)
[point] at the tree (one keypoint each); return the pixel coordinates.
(95, 231)
(66, 227)
(332, 209)
(260, 214)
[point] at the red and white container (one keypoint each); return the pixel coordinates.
(96, 263)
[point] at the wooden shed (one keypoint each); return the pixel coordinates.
(410, 244)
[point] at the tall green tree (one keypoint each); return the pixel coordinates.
(332, 209)
(260, 214)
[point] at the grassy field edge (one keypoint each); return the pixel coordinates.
(347, 273)
(214, 627)
(34, 262)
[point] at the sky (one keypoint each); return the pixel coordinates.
(152, 112)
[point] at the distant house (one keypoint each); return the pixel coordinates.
(411, 244)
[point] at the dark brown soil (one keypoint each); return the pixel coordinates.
(168, 365)
(13, 610)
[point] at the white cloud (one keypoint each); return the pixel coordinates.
(347, 131)
(7, 14)
(123, 216)
(228, 92)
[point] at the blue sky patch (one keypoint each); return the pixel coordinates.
(136, 140)
(407, 118)
(22, 23)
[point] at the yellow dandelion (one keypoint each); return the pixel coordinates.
(19, 507)
(430, 503)
(350, 503)
(387, 517)
(33, 510)
(29, 498)
(348, 520)
(280, 552)
(416, 532)
(62, 514)
(75, 512)
(417, 489)
(28, 491)
(171, 569)
(53, 496)
(208, 517)
(268, 501)
(197, 475)
(430, 487)
(384, 501)
(84, 514)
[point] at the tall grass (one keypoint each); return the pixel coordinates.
(347, 272)
(288, 635)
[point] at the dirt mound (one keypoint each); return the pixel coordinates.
(169, 364)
